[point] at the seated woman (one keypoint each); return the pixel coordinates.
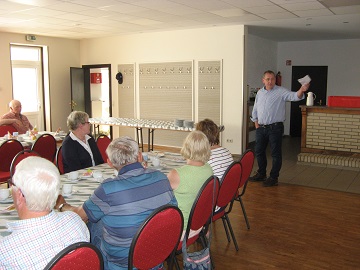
(221, 157)
(187, 180)
(79, 149)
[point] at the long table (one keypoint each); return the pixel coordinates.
(138, 124)
(27, 141)
(84, 186)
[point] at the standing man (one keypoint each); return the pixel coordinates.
(119, 205)
(41, 233)
(268, 115)
(15, 118)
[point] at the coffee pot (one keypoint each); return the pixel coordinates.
(310, 99)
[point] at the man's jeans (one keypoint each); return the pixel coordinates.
(264, 135)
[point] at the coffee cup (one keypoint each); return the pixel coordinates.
(97, 174)
(67, 189)
(73, 175)
(4, 194)
(156, 162)
(145, 156)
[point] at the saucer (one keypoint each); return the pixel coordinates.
(156, 167)
(7, 200)
(86, 175)
(67, 195)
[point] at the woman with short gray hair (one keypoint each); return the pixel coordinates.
(79, 149)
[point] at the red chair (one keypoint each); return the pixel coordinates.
(157, 239)
(200, 214)
(4, 129)
(102, 143)
(78, 256)
(19, 157)
(59, 160)
(45, 146)
(247, 163)
(8, 151)
(227, 193)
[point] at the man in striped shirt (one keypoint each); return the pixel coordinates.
(118, 206)
(268, 115)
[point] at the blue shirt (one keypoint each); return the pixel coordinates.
(122, 204)
(269, 106)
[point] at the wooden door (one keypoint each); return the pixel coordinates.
(77, 89)
(318, 86)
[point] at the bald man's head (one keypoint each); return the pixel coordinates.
(15, 106)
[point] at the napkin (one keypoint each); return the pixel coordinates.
(304, 80)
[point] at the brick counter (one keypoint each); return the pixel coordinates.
(330, 131)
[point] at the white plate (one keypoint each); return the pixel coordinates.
(66, 195)
(9, 209)
(86, 175)
(8, 200)
(156, 154)
(156, 168)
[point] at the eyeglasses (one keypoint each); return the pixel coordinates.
(10, 183)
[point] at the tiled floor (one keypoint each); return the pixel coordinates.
(314, 175)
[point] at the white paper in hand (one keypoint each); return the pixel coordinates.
(304, 80)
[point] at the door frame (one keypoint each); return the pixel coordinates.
(87, 88)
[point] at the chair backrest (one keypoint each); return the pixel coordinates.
(247, 163)
(19, 157)
(157, 238)
(59, 160)
(8, 151)
(78, 256)
(45, 146)
(4, 129)
(229, 184)
(102, 143)
(202, 208)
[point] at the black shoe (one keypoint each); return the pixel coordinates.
(270, 182)
(257, 177)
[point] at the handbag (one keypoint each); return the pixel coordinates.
(199, 260)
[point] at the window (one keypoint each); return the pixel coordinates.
(27, 81)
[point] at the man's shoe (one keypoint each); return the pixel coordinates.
(270, 182)
(257, 177)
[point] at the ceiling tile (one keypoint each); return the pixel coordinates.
(229, 12)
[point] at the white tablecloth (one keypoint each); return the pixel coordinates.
(84, 186)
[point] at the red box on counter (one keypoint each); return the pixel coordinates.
(344, 101)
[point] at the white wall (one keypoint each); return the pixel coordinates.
(198, 44)
(341, 56)
(63, 53)
(261, 55)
